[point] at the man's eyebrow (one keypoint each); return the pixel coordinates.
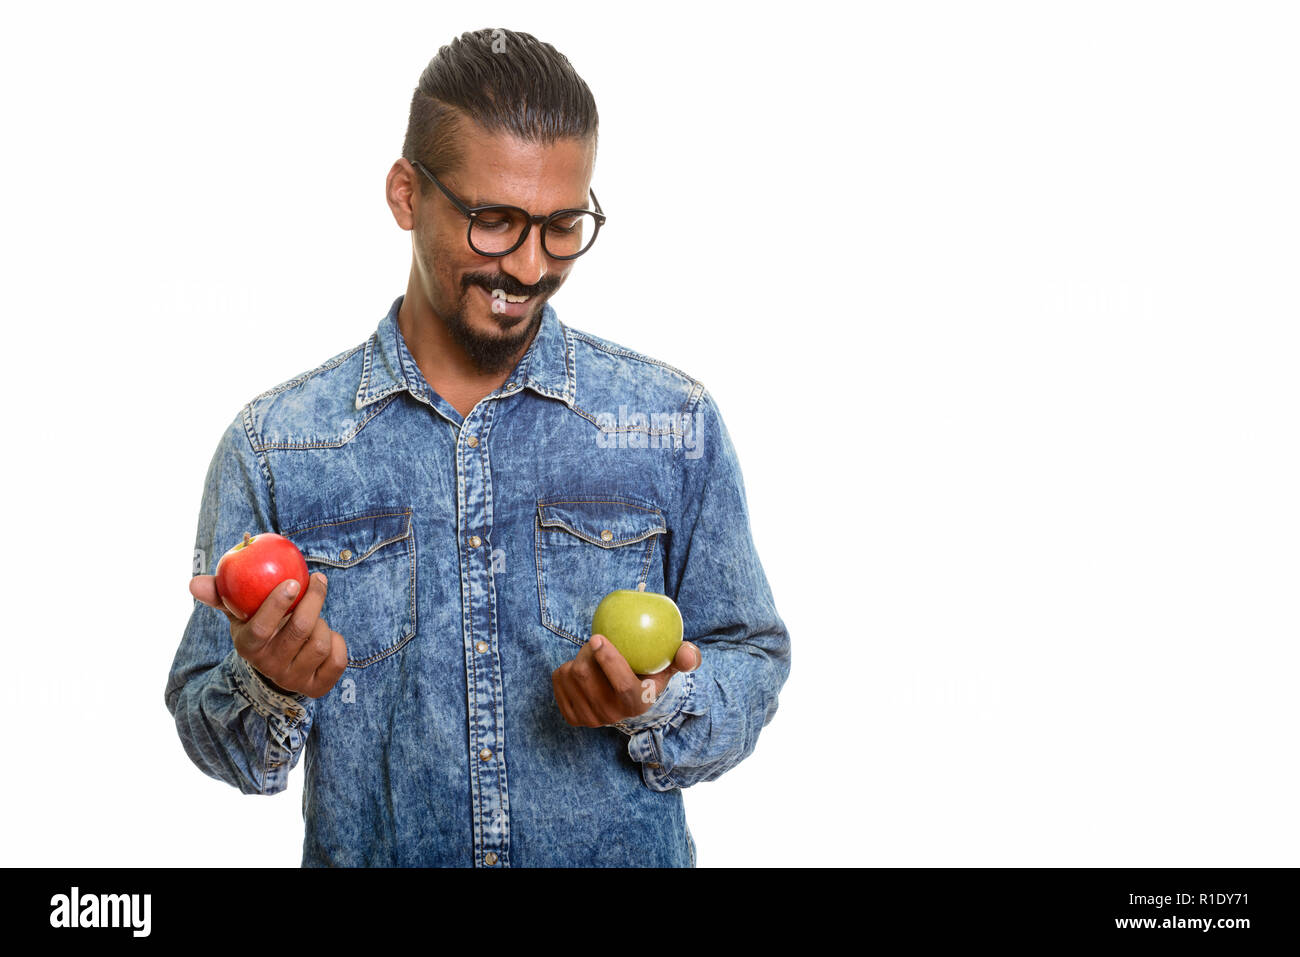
(479, 201)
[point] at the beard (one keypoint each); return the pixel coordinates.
(496, 353)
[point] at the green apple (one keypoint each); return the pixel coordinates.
(646, 628)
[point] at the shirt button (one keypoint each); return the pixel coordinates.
(653, 764)
(606, 535)
(490, 858)
(345, 554)
(482, 647)
(475, 541)
(472, 441)
(485, 754)
(510, 385)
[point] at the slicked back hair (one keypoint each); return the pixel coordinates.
(504, 81)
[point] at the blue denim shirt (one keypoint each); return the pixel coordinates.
(465, 558)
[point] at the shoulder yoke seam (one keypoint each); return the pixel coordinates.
(617, 350)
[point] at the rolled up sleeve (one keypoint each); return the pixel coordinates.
(708, 721)
(234, 725)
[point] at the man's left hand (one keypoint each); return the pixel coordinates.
(598, 687)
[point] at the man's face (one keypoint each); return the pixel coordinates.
(458, 282)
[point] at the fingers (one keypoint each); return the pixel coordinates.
(592, 688)
(619, 676)
(275, 641)
(310, 670)
(578, 717)
(569, 695)
(330, 670)
(297, 650)
(597, 687)
(253, 636)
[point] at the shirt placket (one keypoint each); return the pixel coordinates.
(487, 746)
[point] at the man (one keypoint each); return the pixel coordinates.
(466, 486)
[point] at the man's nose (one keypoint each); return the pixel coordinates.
(527, 263)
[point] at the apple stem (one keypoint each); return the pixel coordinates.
(247, 538)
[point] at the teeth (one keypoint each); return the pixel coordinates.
(501, 294)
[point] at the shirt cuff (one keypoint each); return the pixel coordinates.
(276, 705)
(646, 731)
(675, 696)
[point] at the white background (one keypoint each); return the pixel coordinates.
(998, 300)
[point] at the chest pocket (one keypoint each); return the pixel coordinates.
(369, 559)
(589, 548)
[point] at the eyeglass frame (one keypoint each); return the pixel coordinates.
(530, 219)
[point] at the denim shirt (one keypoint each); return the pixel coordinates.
(465, 557)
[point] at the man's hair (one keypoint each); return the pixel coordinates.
(502, 80)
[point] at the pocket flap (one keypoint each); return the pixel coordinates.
(343, 542)
(604, 522)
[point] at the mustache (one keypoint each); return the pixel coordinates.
(510, 285)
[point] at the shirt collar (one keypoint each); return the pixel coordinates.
(546, 368)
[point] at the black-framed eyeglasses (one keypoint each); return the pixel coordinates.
(499, 230)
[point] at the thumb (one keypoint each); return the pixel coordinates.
(688, 657)
(204, 588)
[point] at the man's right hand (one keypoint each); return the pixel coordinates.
(296, 651)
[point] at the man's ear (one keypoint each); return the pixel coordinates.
(399, 189)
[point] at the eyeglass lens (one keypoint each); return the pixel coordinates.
(494, 231)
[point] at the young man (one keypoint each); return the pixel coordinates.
(466, 486)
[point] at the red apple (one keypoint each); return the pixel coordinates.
(249, 572)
